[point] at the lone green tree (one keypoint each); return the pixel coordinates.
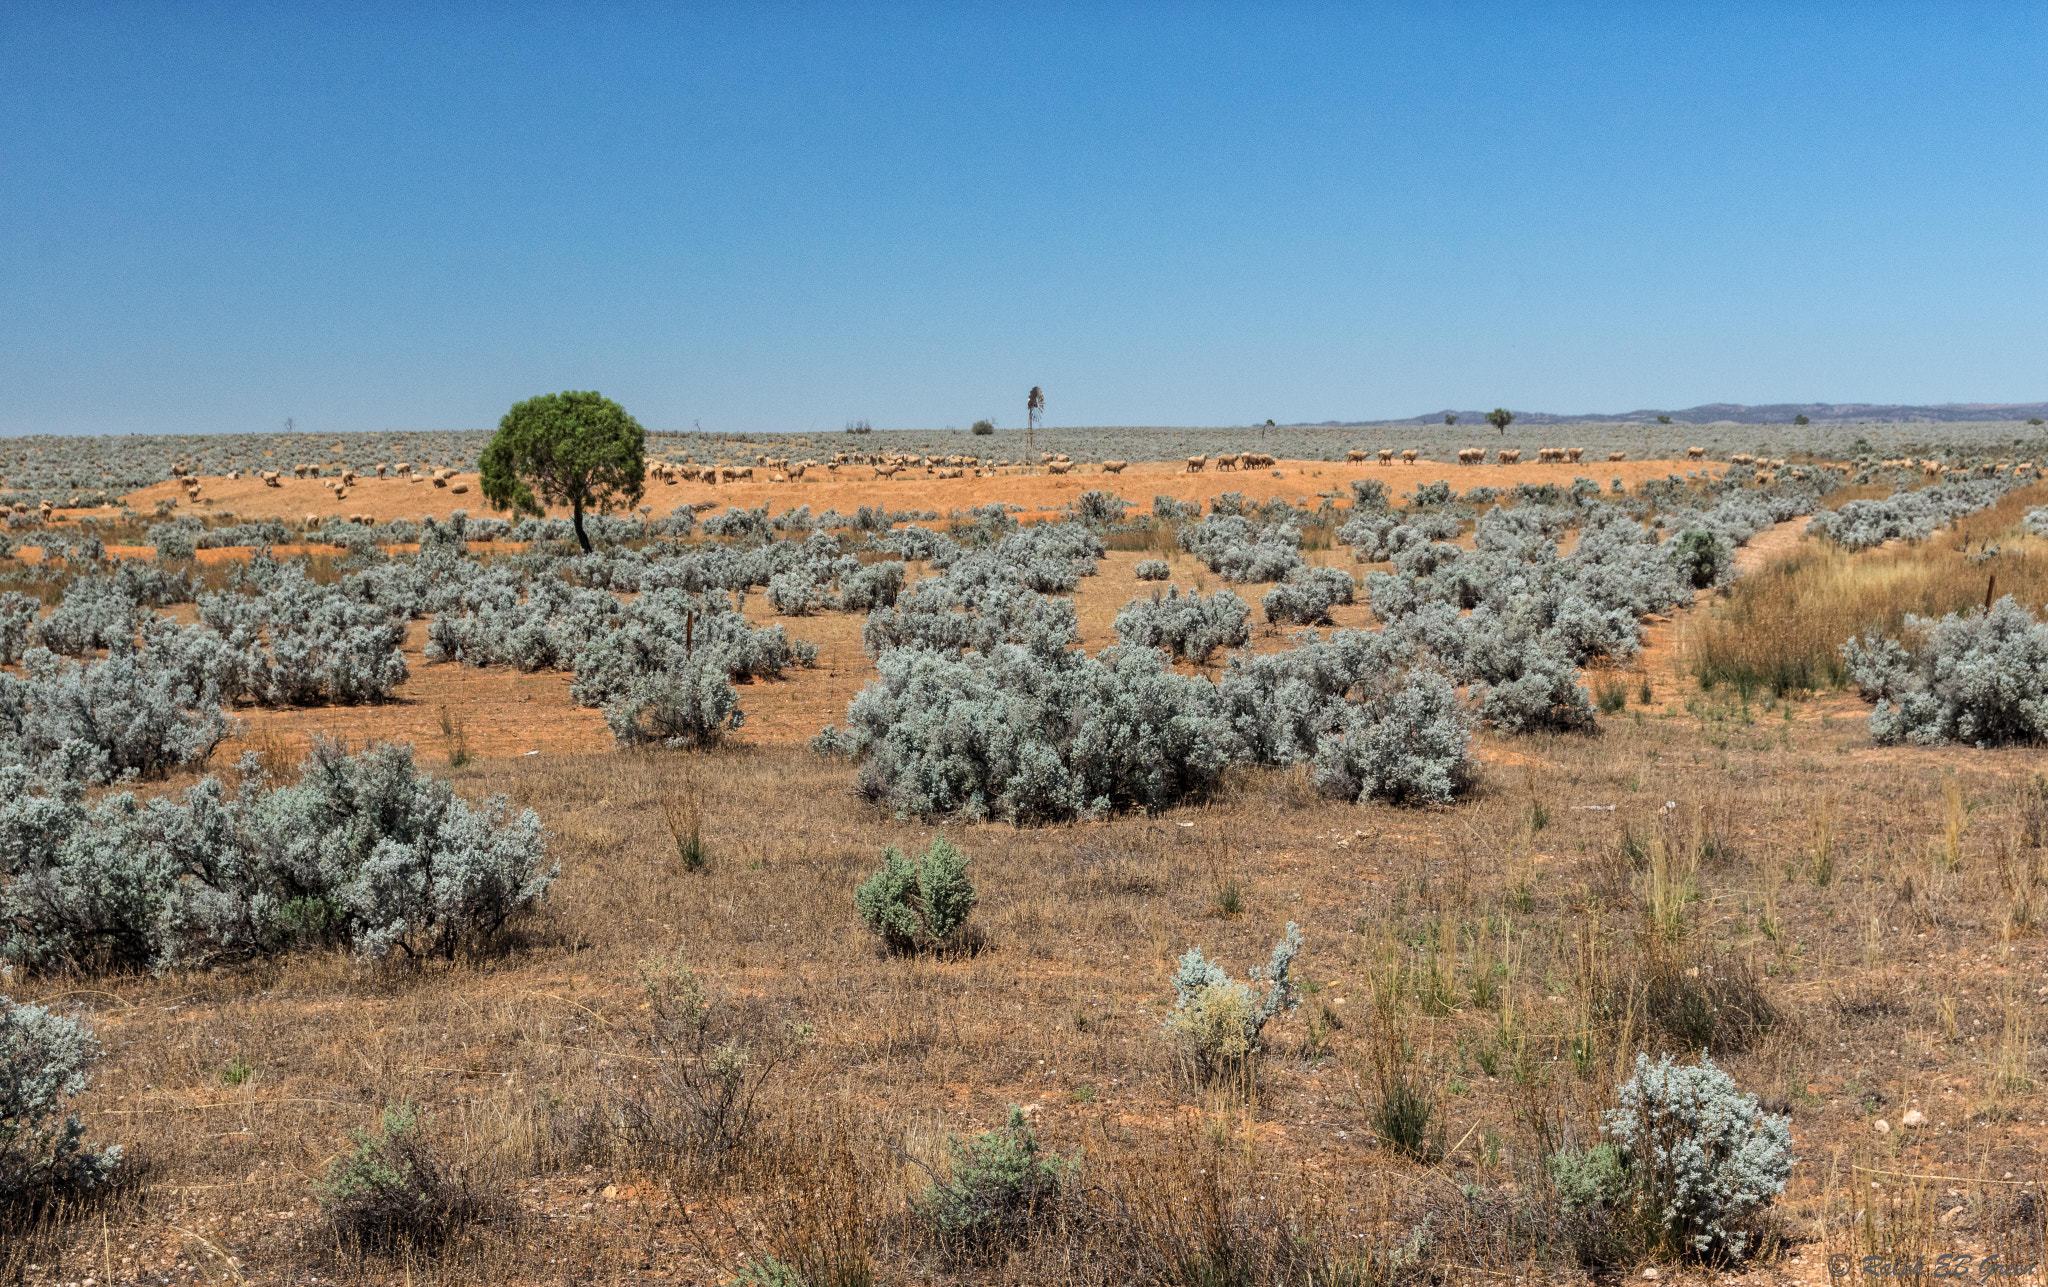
(1500, 418)
(576, 449)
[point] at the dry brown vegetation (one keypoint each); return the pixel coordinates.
(1779, 631)
(1853, 932)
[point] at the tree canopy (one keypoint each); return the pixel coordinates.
(1500, 418)
(578, 449)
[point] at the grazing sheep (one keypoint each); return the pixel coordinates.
(1471, 455)
(1614, 456)
(1386, 455)
(1226, 462)
(1408, 456)
(1354, 457)
(1115, 466)
(1573, 453)
(1508, 455)
(1059, 466)
(1695, 453)
(1197, 463)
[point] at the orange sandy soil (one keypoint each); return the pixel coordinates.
(388, 498)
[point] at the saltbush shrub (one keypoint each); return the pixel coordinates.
(691, 704)
(1189, 626)
(1976, 677)
(1308, 595)
(132, 713)
(1029, 736)
(1411, 744)
(362, 850)
(45, 1062)
(1098, 508)
(794, 594)
(1217, 1020)
(1234, 548)
(1704, 1161)
(1149, 570)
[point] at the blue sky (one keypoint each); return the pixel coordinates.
(763, 217)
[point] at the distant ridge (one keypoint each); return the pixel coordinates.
(1775, 413)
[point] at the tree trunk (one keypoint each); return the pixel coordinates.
(582, 537)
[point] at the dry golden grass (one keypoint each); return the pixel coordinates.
(1779, 629)
(1510, 941)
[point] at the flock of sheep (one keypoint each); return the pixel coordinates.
(781, 469)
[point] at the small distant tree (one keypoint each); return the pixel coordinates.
(1663, 420)
(578, 449)
(1034, 405)
(1801, 419)
(1500, 418)
(1450, 417)
(2036, 420)
(983, 428)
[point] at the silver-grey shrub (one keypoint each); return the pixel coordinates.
(1033, 737)
(1217, 1020)
(691, 705)
(1704, 1159)
(1411, 744)
(1308, 595)
(45, 1062)
(794, 594)
(1190, 627)
(1976, 677)
(1152, 570)
(1236, 549)
(301, 643)
(19, 614)
(362, 850)
(95, 614)
(129, 713)
(1911, 515)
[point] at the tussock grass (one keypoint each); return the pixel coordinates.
(1778, 630)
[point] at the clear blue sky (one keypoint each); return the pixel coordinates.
(780, 217)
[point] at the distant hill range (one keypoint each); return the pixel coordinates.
(1776, 413)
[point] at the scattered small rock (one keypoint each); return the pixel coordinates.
(1913, 1117)
(1881, 1126)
